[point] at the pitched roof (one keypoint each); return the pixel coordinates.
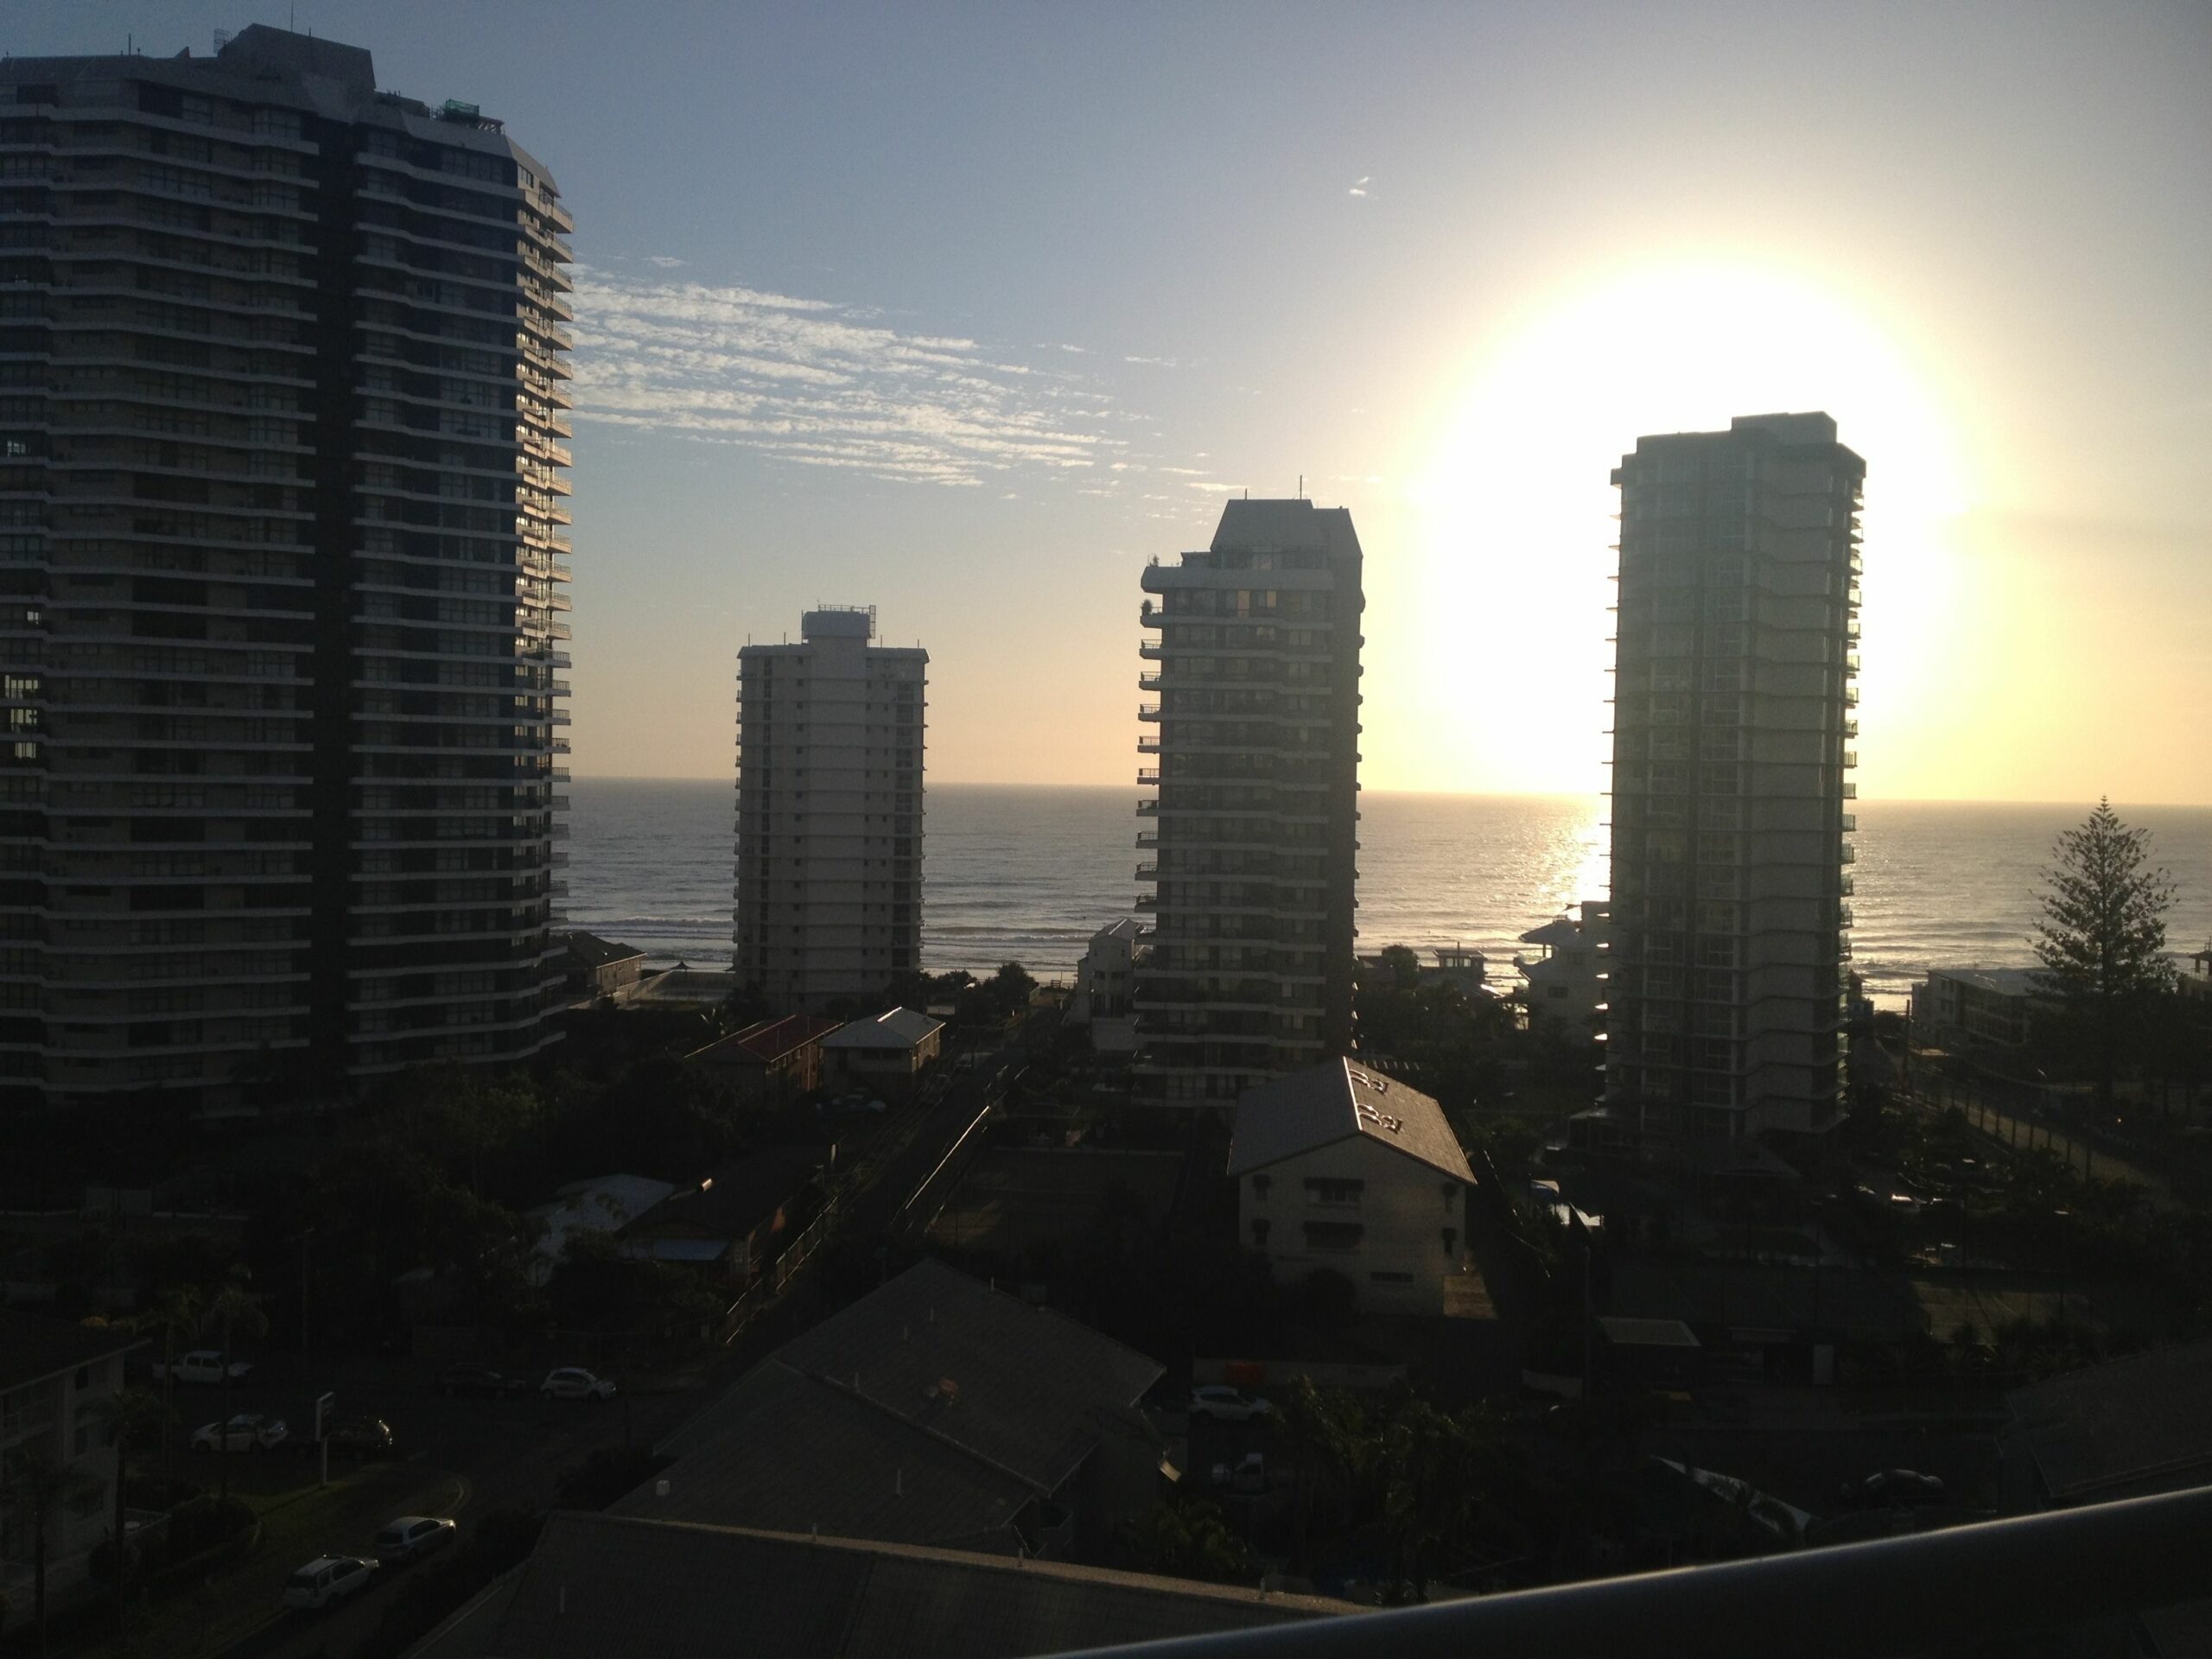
(1559, 931)
(900, 1028)
(766, 1041)
(601, 1586)
(595, 952)
(737, 1197)
(33, 1347)
(851, 1426)
(1338, 1101)
(2125, 1428)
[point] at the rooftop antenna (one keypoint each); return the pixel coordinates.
(1301, 487)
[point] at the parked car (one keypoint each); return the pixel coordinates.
(202, 1366)
(1889, 1487)
(1248, 1476)
(247, 1432)
(327, 1578)
(412, 1535)
(360, 1437)
(466, 1376)
(574, 1383)
(1227, 1405)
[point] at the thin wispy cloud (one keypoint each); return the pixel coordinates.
(1360, 187)
(818, 384)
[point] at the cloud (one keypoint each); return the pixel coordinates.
(665, 261)
(818, 384)
(1360, 188)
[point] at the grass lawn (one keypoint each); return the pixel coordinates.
(299, 1521)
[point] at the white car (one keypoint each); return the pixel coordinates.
(325, 1580)
(574, 1383)
(247, 1432)
(1227, 1405)
(412, 1535)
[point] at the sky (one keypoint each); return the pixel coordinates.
(966, 311)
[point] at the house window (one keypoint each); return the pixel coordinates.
(1334, 1234)
(1259, 1235)
(83, 1377)
(1451, 1239)
(1322, 1190)
(81, 1442)
(1260, 1185)
(1451, 1190)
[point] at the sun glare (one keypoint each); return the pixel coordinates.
(1513, 522)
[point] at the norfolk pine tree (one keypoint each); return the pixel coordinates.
(2103, 935)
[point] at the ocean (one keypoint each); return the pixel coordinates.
(1028, 874)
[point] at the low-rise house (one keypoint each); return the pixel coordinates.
(1968, 1007)
(1563, 981)
(53, 1377)
(1340, 1168)
(1105, 977)
(607, 1584)
(773, 1062)
(730, 1224)
(604, 1204)
(596, 967)
(934, 1411)
(885, 1053)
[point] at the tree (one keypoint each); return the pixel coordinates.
(127, 1416)
(232, 1309)
(2103, 935)
(1186, 1541)
(179, 1312)
(35, 1486)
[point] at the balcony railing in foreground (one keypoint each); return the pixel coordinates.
(1930, 1592)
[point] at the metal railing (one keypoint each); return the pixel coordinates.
(2029, 1575)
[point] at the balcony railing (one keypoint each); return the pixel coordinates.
(1961, 1589)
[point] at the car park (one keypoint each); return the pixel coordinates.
(326, 1579)
(1223, 1404)
(1891, 1488)
(466, 1376)
(411, 1537)
(247, 1432)
(574, 1383)
(359, 1437)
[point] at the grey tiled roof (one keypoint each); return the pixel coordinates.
(851, 1427)
(2125, 1428)
(1340, 1100)
(607, 1587)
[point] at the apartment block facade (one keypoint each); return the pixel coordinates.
(282, 536)
(1734, 714)
(829, 744)
(1251, 837)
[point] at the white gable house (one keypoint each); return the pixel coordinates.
(1340, 1168)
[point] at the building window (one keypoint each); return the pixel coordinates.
(1450, 1192)
(1334, 1234)
(1451, 1240)
(1324, 1190)
(1259, 1235)
(1260, 1185)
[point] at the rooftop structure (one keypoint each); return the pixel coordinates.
(283, 521)
(1734, 701)
(934, 1410)
(829, 741)
(1252, 838)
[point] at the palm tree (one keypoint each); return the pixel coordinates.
(179, 1310)
(36, 1484)
(232, 1309)
(127, 1415)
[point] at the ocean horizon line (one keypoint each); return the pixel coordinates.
(1444, 794)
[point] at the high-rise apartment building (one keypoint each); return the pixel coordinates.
(1733, 719)
(1252, 837)
(828, 811)
(281, 525)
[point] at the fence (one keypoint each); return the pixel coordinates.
(770, 1284)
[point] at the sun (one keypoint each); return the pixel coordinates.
(1503, 596)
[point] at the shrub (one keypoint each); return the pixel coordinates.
(202, 1522)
